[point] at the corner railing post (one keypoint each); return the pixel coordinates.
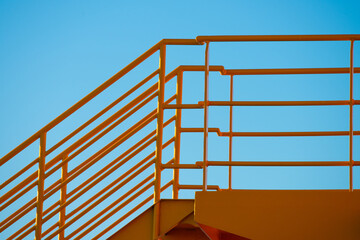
(62, 213)
(231, 129)
(177, 135)
(40, 192)
(351, 130)
(159, 138)
(206, 116)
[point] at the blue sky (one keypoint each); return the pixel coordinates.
(53, 53)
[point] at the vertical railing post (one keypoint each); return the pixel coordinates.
(159, 138)
(62, 213)
(206, 116)
(40, 192)
(231, 129)
(177, 135)
(351, 130)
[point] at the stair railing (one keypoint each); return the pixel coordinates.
(46, 168)
(67, 226)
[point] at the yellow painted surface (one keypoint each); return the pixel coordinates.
(140, 228)
(282, 214)
(186, 234)
(186, 229)
(172, 212)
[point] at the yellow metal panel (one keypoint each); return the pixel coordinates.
(139, 228)
(186, 234)
(282, 214)
(173, 212)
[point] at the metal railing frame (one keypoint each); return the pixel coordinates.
(60, 162)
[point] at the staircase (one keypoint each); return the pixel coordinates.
(116, 174)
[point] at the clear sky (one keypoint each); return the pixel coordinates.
(52, 53)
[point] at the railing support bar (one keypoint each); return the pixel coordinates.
(63, 197)
(40, 192)
(206, 116)
(351, 130)
(177, 135)
(159, 134)
(231, 129)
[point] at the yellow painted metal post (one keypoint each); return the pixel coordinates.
(62, 213)
(40, 192)
(206, 116)
(351, 131)
(159, 135)
(231, 129)
(177, 135)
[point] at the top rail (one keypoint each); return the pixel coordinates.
(278, 38)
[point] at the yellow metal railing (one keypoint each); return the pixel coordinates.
(59, 218)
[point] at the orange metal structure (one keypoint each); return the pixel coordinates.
(65, 212)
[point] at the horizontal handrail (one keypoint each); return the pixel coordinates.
(270, 38)
(278, 103)
(289, 134)
(288, 71)
(194, 187)
(272, 134)
(180, 42)
(270, 71)
(279, 163)
(180, 166)
(184, 106)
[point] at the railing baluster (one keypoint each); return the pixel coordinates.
(159, 135)
(160, 119)
(177, 135)
(231, 129)
(351, 130)
(63, 196)
(41, 181)
(206, 116)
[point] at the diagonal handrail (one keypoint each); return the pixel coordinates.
(52, 166)
(81, 103)
(96, 92)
